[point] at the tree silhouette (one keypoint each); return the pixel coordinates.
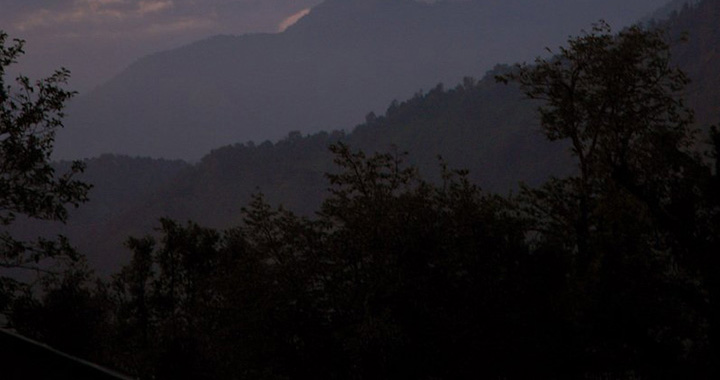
(616, 99)
(624, 221)
(30, 114)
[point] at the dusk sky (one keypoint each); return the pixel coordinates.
(96, 39)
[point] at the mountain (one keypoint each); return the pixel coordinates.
(342, 60)
(478, 125)
(120, 186)
(482, 126)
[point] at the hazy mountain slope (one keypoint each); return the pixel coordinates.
(346, 58)
(483, 126)
(120, 185)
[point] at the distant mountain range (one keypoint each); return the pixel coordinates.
(341, 61)
(478, 125)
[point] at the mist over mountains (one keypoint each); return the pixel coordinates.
(341, 61)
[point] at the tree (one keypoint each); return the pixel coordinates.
(69, 312)
(425, 276)
(617, 100)
(165, 301)
(30, 114)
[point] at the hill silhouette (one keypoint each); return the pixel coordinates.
(342, 60)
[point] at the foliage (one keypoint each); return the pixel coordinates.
(30, 114)
(606, 273)
(339, 296)
(162, 298)
(631, 214)
(68, 312)
(616, 99)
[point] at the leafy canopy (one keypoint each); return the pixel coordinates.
(30, 114)
(617, 99)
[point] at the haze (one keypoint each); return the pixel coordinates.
(96, 39)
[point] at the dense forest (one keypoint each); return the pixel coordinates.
(601, 266)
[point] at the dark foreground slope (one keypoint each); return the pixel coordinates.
(27, 359)
(344, 59)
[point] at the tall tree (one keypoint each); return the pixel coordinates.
(165, 297)
(617, 100)
(30, 114)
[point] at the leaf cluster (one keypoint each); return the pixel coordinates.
(30, 114)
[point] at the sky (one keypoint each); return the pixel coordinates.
(96, 39)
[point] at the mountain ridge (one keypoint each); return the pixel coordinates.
(184, 102)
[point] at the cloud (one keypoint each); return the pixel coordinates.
(145, 7)
(107, 13)
(176, 26)
(235, 16)
(288, 22)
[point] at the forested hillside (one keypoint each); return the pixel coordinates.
(482, 126)
(343, 60)
(606, 271)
